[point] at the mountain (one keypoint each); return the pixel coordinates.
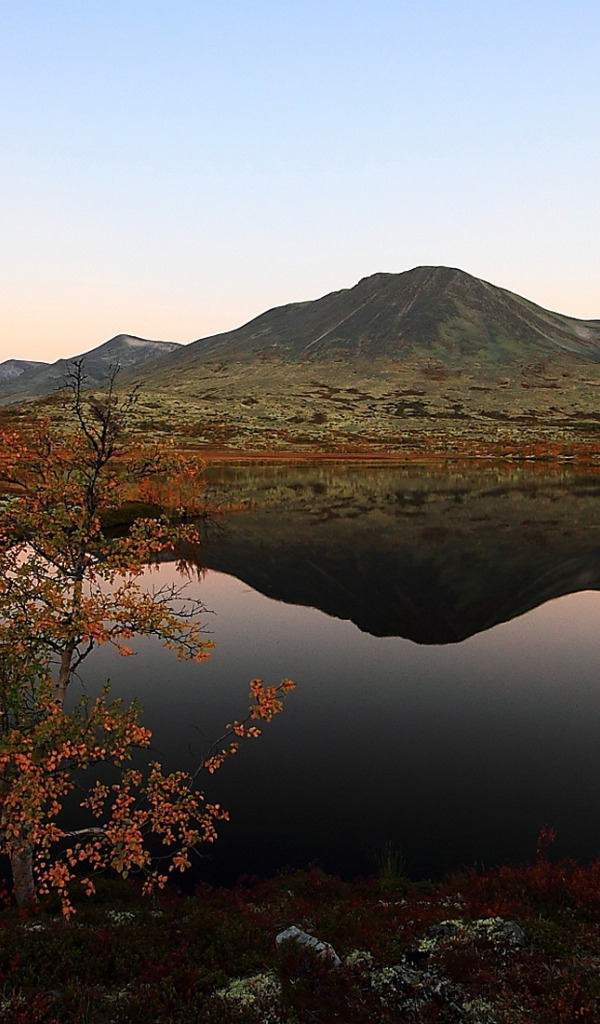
(430, 356)
(124, 350)
(438, 312)
(11, 369)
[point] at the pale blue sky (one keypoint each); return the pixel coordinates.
(171, 168)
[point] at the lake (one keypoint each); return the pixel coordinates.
(443, 629)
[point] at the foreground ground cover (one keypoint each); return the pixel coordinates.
(511, 945)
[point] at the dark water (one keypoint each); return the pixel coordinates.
(444, 633)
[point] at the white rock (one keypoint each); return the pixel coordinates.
(323, 949)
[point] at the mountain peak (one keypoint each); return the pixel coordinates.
(436, 312)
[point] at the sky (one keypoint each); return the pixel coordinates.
(172, 168)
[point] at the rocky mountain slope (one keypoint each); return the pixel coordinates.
(11, 369)
(124, 350)
(438, 312)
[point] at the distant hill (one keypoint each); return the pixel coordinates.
(438, 312)
(11, 369)
(124, 350)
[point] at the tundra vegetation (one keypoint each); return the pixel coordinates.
(65, 588)
(516, 945)
(415, 409)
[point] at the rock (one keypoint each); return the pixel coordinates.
(323, 949)
(513, 933)
(416, 993)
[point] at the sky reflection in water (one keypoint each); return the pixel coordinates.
(457, 754)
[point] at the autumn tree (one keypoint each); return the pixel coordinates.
(65, 588)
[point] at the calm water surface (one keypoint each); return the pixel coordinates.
(444, 633)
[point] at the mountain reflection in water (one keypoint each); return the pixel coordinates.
(455, 753)
(428, 556)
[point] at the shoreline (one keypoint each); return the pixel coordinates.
(523, 457)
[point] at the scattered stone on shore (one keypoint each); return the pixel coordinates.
(323, 949)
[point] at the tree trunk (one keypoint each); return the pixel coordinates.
(64, 675)
(21, 863)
